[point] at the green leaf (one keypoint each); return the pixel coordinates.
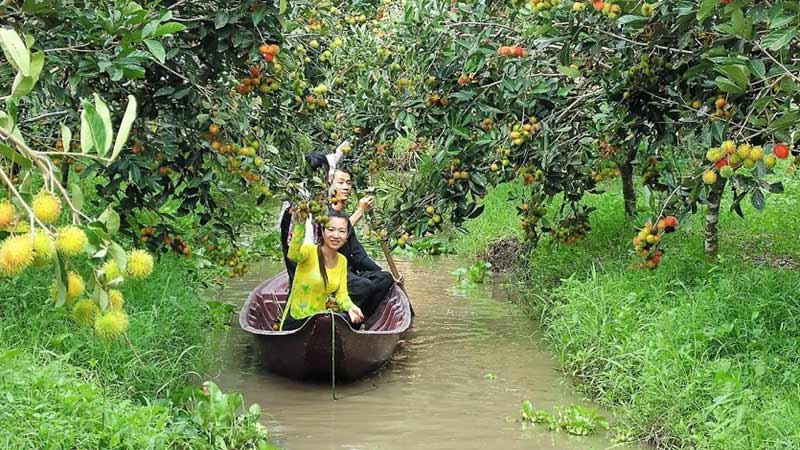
(776, 187)
(759, 202)
(706, 9)
(787, 120)
(569, 71)
(635, 21)
(169, 28)
(110, 219)
(66, 137)
(105, 116)
(739, 74)
(156, 49)
(220, 20)
(282, 6)
(757, 67)
(149, 29)
(77, 195)
(741, 24)
(781, 21)
(726, 85)
(8, 123)
(24, 84)
(86, 135)
(13, 156)
(15, 50)
(124, 127)
(119, 255)
(92, 129)
(258, 15)
(61, 281)
(779, 39)
(100, 296)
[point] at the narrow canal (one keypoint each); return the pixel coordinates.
(456, 381)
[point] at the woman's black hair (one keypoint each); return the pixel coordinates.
(320, 257)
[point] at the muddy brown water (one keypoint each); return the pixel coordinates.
(456, 381)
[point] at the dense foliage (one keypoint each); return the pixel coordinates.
(188, 116)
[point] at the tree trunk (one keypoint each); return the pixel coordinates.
(711, 237)
(626, 174)
(65, 174)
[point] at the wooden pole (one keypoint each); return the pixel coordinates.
(395, 273)
(389, 259)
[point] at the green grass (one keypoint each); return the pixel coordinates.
(499, 220)
(169, 329)
(691, 355)
(50, 404)
(63, 388)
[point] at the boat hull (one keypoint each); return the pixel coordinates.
(326, 345)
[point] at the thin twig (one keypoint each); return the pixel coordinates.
(485, 24)
(769, 55)
(42, 116)
(22, 201)
(644, 44)
(47, 172)
(76, 48)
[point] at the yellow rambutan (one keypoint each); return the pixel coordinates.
(75, 286)
(6, 213)
(71, 240)
(44, 247)
(111, 325)
(46, 206)
(140, 264)
(85, 312)
(111, 270)
(16, 254)
(115, 300)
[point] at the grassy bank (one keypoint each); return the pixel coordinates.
(65, 389)
(692, 355)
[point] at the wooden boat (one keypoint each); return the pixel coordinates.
(306, 352)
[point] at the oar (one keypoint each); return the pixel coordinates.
(395, 272)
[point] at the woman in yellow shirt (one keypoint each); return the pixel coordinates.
(321, 273)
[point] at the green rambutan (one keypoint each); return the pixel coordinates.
(111, 325)
(85, 311)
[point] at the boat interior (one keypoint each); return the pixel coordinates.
(265, 306)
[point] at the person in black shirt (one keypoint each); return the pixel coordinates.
(367, 283)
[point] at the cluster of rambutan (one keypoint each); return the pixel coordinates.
(26, 246)
(648, 242)
(728, 157)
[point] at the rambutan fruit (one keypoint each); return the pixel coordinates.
(6, 213)
(112, 271)
(85, 311)
(75, 286)
(140, 264)
(16, 254)
(111, 325)
(46, 206)
(71, 240)
(44, 248)
(115, 300)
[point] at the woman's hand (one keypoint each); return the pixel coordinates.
(401, 280)
(356, 316)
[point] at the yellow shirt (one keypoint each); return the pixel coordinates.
(309, 293)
